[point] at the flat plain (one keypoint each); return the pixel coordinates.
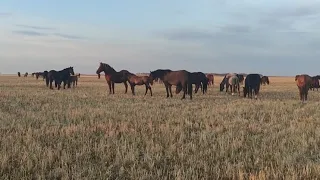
(84, 133)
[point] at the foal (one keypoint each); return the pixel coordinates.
(140, 80)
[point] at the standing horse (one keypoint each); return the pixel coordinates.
(74, 80)
(265, 80)
(315, 82)
(140, 80)
(112, 76)
(59, 76)
(252, 83)
(26, 74)
(19, 74)
(178, 78)
(303, 82)
(210, 79)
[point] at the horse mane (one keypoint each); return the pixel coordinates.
(107, 66)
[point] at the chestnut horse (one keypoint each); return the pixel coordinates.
(264, 80)
(140, 80)
(178, 78)
(112, 76)
(210, 79)
(303, 82)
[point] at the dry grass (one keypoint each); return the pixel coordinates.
(83, 133)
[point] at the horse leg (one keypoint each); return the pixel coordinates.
(167, 89)
(109, 84)
(50, 82)
(146, 89)
(196, 88)
(112, 87)
(126, 86)
(170, 90)
(306, 94)
(132, 89)
(232, 88)
(150, 90)
(239, 89)
(184, 86)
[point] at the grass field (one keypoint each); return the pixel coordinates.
(84, 133)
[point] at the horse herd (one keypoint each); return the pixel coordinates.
(182, 79)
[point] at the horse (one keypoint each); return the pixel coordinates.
(210, 79)
(264, 80)
(252, 83)
(74, 80)
(59, 76)
(178, 78)
(140, 80)
(315, 82)
(112, 76)
(19, 74)
(200, 80)
(26, 74)
(230, 80)
(241, 78)
(303, 82)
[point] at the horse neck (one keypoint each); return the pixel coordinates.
(109, 70)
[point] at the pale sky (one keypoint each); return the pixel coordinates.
(249, 36)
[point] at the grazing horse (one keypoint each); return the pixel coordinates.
(19, 74)
(26, 74)
(241, 78)
(265, 80)
(112, 76)
(210, 79)
(303, 82)
(230, 80)
(74, 80)
(315, 82)
(59, 76)
(252, 83)
(140, 80)
(178, 78)
(200, 80)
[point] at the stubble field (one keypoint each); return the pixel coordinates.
(84, 133)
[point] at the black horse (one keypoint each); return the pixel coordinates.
(59, 77)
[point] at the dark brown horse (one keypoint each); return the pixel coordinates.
(265, 80)
(303, 82)
(19, 74)
(200, 80)
(140, 80)
(59, 76)
(26, 74)
(252, 85)
(112, 76)
(210, 79)
(241, 78)
(74, 80)
(178, 78)
(315, 82)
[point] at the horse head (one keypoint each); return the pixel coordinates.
(71, 71)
